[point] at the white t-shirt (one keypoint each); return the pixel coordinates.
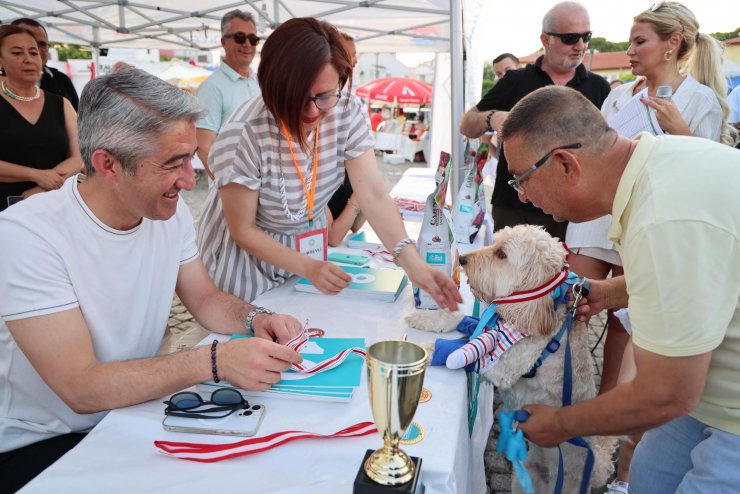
(55, 255)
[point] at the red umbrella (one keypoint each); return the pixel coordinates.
(401, 90)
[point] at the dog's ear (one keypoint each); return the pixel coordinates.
(537, 317)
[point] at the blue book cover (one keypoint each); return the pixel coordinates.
(379, 284)
(336, 384)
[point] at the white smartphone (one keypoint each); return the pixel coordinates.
(245, 422)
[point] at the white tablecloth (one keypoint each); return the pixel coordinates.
(118, 456)
(388, 141)
(408, 148)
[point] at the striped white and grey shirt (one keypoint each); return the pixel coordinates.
(251, 151)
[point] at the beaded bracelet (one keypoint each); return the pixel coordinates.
(399, 247)
(214, 368)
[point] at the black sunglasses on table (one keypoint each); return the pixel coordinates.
(572, 38)
(188, 403)
(241, 38)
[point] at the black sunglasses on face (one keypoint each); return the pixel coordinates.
(184, 404)
(572, 38)
(241, 38)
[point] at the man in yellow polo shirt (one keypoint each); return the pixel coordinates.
(676, 222)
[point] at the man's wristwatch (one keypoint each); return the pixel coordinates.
(488, 120)
(252, 314)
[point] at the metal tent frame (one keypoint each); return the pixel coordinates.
(378, 26)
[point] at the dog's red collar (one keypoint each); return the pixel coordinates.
(540, 291)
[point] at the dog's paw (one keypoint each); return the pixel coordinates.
(437, 321)
(429, 347)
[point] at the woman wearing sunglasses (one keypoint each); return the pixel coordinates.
(666, 49)
(278, 160)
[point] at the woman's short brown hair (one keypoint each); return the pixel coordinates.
(291, 60)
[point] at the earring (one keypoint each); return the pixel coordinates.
(667, 55)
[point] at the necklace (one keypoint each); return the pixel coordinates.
(11, 94)
(308, 183)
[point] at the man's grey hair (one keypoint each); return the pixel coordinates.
(126, 111)
(550, 20)
(555, 116)
(235, 14)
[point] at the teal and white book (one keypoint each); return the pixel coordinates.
(366, 239)
(378, 284)
(337, 384)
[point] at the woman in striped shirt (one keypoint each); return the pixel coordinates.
(278, 160)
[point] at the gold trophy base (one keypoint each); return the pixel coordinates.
(366, 485)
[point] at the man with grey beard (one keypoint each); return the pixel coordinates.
(566, 31)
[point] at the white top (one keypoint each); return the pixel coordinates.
(699, 107)
(251, 151)
(62, 257)
(734, 101)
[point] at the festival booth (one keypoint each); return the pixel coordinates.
(398, 138)
(118, 455)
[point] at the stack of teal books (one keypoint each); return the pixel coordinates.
(337, 384)
(378, 284)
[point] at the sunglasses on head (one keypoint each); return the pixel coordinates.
(189, 403)
(657, 5)
(572, 38)
(241, 38)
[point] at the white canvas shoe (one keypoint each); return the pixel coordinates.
(617, 487)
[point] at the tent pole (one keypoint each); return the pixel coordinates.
(96, 50)
(456, 60)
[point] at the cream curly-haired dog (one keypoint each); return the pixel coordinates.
(523, 258)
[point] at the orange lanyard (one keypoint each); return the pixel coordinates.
(309, 196)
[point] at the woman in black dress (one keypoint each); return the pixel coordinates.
(38, 144)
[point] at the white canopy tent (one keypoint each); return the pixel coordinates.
(378, 26)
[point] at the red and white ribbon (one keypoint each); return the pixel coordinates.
(541, 291)
(210, 453)
(308, 367)
(381, 253)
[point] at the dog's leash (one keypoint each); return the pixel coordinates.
(580, 289)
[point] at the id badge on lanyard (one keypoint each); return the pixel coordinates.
(313, 243)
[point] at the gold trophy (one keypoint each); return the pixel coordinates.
(395, 375)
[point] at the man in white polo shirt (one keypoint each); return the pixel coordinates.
(233, 83)
(676, 223)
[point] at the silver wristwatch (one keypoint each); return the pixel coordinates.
(252, 314)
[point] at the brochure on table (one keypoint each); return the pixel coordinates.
(378, 284)
(337, 384)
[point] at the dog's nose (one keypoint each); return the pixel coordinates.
(463, 260)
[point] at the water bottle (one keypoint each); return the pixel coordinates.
(664, 93)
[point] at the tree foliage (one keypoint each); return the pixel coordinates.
(71, 52)
(728, 35)
(603, 46)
